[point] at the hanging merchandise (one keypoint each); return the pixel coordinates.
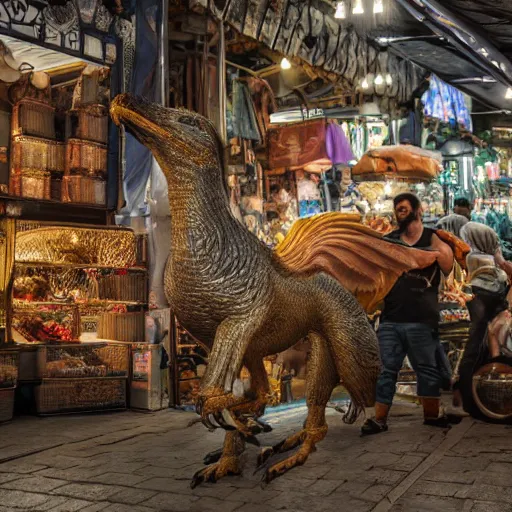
(245, 121)
(297, 145)
(338, 146)
(405, 162)
(308, 193)
(350, 199)
(444, 102)
(410, 132)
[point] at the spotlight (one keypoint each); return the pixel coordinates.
(341, 12)
(285, 64)
(508, 94)
(378, 6)
(389, 79)
(358, 7)
(365, 84)
(379, 80)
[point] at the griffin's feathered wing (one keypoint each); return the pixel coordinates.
(361, 259)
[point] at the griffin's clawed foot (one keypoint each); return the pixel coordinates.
(213, 457)
(226, 466)
(286, 463)
(305, 440)
(233, 414)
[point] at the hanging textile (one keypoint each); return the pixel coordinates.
(444, 102)
(411, 131)
(244, 120)
(264, 101)
(145, 82)
(337, 145)
(296, 145)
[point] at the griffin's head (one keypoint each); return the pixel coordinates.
(174, 136)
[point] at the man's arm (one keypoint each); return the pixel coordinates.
(445, 254)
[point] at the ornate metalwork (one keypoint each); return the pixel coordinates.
(62, 27)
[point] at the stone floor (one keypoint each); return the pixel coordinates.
(144, 462)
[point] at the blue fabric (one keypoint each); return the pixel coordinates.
(417, 341)
(144, 82)
(444, 102)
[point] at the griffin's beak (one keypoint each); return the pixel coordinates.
(128, 110)
(117, 107)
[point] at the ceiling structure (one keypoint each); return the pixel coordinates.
(467, 43)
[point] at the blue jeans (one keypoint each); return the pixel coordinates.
(417, 341)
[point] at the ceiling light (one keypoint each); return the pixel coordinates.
(388, 189)
(365, 84)
(389, 79)
(340, 13)
(358, 7)
(378, 6)
(285, 64)
(508, 94)
(379, 79)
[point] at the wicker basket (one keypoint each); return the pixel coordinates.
(86, 158)
(9, 368)
(85, 361)
(131, 287)
(31, 117)
(84, 190)
(80, 395)
(128, 327)
(89, 123)
(36, 153)
(6, 404)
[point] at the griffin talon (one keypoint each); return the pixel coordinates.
(208, 425)
(252, 440)
(219, 418)
(263, 457)
(212, 419)
(228, 419)
(265, 426)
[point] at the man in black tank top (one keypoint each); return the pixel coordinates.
(410, 320)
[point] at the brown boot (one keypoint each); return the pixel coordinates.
(379, 424)
(431, 407)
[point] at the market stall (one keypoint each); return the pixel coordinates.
(74, 293)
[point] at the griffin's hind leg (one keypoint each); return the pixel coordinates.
(321, 380)
(228, 464)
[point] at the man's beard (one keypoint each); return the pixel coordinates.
(405, 223)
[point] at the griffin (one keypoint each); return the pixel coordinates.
(246, 302)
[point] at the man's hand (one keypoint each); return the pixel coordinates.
(444, 254)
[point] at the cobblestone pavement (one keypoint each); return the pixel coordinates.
(144, 462)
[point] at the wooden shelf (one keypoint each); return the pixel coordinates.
(78, 266)
(50, 210)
